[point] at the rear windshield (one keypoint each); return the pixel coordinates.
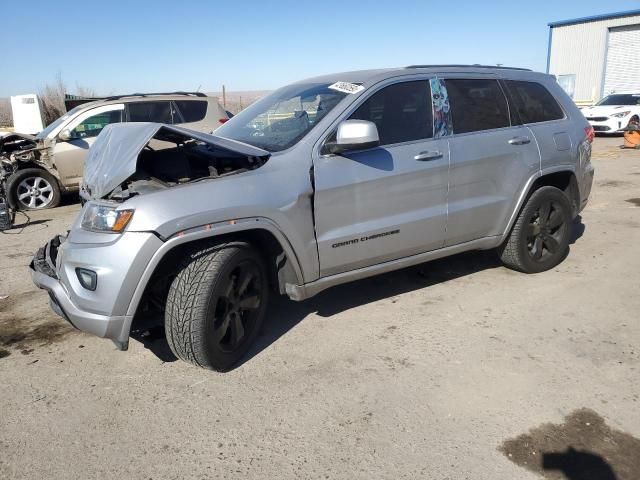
(283, 118)
(621, 99)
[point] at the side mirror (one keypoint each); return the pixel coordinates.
(354, 135)
(65, 135)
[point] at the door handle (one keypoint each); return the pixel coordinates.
(519, 141)
(424, 156)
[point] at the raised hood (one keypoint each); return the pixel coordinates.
(113, 158)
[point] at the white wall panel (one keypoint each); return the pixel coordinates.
(580, 49)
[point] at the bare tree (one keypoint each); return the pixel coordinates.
(85, 92)
(52, 100)
(6, 117)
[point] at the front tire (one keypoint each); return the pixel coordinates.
(33, 189)
(216, 305)
(540, 237)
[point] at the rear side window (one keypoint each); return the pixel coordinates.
(402, 112)
(159, 112)
(477, 105)
(533, 102)
(192, 110)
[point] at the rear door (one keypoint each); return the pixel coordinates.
(538, 110)
(386, 202)
(492, 156)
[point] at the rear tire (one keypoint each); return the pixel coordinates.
(216, 305)
(33, 189)
(540, 237)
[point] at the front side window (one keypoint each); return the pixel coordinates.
(159, 112)
(477, 104)
(533, 102)
(283, 118)
(402, 112)
(92, 126)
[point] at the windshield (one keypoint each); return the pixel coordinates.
(283, 118)
(621, 99)
(56, 123)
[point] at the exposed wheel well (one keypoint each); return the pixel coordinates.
(565, 181)
(280, 270)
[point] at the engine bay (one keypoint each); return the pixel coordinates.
(173, 158)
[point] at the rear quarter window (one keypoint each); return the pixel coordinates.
(533, 102)
(159, 112)
(192, 110)
(477, 104)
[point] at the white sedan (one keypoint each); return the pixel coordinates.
(614, 112)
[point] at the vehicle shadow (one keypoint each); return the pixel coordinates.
(284, 314)
(577, 231)
(578, 465)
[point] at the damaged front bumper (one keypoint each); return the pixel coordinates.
(103, 312)
(43, 273)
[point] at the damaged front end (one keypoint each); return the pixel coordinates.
(18, 149)
(92, 273)
(139, 158)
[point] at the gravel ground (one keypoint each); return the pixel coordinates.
(432, 372)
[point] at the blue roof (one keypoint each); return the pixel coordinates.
(606, 16)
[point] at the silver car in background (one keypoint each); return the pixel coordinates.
(39, 168)
(322, 182)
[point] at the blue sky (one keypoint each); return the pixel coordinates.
(124, 46)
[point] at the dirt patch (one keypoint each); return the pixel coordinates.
(581, 448)
(4, 353)
(635, 201)
(614, 183)
(20, 335)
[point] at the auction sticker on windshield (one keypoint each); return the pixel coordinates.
(346, 87)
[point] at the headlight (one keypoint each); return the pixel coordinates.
(620, 115)
(104, 218)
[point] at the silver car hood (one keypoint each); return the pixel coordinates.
(113, 157)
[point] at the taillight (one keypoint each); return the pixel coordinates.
(590, 133)
(222, 120)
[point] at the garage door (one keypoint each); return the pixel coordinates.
(623, 69)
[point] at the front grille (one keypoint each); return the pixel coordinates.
(601, 128)
(597, 119)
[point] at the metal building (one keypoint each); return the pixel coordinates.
(595, 56)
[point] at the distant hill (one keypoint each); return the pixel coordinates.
(238, 100)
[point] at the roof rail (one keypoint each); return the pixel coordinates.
(469, 66)
(116, 97)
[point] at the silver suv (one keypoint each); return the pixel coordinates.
(324, 181)
(38, 168)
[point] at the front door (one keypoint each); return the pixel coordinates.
(69, 155)
(387, 202)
